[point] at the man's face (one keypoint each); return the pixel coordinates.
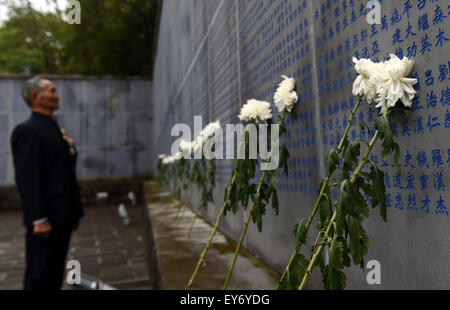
(48, 98)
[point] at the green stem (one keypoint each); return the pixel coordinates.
(197, 210)
(180, 217)
(244, 231)
(193, 221)
(184, 209)
(318, 251)
(247, 222)
(213, 232)
(180, 207)
(324, 185)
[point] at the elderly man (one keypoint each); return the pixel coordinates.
(44, 162)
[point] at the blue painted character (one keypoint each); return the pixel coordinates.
(429, 78)
(412, 202)
(443, 71)
(432, 123)
(396, 37)
(441, 208)
(399, 204)
(397, 181)
(447, 120)
(426, 204)
(441, 38)
(409, 31)
(410, 181)
(418, 125)
(422, 23)
(437, 158)
(408, 158)
(438, 15)
(426, 45)
(407, 8)
(396, 17)
(412, 50)
(438, 182)
(424, 182)
(388, 201)
(421, 4)
(405, 131)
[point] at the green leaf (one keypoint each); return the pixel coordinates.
(384, 126)
(283, 159)
(363, 126)
(336, 279)
(275, 201)
(336, 253)
(344, 199)
(359, 240)
(344, 144)
(325, 207)
(258, 212)
(323, 270)
(332, 160)
(397, 157)
(265, 192)
(300, 235)
(247, 191)
(351, 157)
(295, 273)
(282, 128)
(379, 190)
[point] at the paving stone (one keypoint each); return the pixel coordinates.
(102, 244)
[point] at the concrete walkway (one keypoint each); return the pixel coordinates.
(177, 253)
(104, 246)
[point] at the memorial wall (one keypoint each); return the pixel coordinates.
(212, 56)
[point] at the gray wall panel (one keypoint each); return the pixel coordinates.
(4, 124)
(3, 166)
(98, 115)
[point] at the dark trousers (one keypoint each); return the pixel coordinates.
(45, 258)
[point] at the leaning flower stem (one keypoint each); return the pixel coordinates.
(184, 209)
(244, 231)
(324, 185)
(181, 216)
(318, 251)
(193, 221)
(247, 222)
(213, 232)
(197, 210)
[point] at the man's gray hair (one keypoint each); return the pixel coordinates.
(34, 84)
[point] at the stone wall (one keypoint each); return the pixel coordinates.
(110, 120)
(214, 55)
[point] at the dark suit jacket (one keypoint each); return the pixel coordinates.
(45, 172)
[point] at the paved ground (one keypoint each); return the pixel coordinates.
(177, 251)
(104, 246)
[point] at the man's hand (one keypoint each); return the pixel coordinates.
(43, 229)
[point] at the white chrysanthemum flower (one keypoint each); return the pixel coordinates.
(255, 110)
(210, 130)
(168, 160)
(364, 84)
(198, 143)
(178, 156)
(161, 156)
(385, 83)
(285, 97)
(392, 83)
(185, 146)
